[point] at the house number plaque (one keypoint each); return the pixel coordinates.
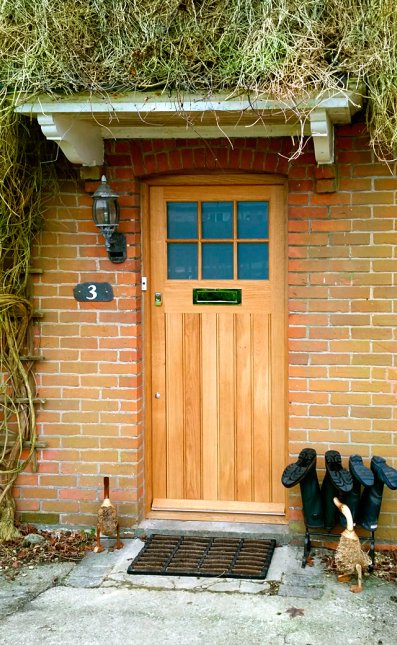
(93, 292)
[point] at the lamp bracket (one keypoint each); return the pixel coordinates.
(117, 249)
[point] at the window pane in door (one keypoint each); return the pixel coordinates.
(182, 220)
(253, 261)
(217, 220)
(182, 261)
(252, 220)
(217, 261)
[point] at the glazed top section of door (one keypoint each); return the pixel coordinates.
(218, 370)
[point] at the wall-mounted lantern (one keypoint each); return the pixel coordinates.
(106, 215)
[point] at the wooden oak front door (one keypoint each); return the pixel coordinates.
(218, 350)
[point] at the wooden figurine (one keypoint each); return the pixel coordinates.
(108, 523)
(349, 557)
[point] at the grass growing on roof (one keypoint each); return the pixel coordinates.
(281, 48)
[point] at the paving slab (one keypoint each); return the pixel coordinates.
(93, 569)
(31, 582)
(119, 574)
(285, 568)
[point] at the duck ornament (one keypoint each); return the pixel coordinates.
(349, 557)
(107, 523)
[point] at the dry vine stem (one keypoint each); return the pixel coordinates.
(20, 213)
(17, 422)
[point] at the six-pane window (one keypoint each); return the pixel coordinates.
(218, 240)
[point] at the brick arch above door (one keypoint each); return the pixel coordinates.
(169, 156)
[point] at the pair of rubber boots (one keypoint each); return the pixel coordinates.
(318, 507)
(365, 507)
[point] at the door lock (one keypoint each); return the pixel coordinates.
(158, 299)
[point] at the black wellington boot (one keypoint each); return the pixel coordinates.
(303, 472)
(371, 499)
(336, 483)
(362, 476)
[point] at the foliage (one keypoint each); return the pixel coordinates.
(54, 546)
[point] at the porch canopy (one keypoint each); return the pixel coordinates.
(80, 123)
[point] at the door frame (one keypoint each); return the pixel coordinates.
(185, 180)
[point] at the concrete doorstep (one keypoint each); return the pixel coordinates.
(97, 602)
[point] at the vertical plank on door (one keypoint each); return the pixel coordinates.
(159, 405)
(175, 411)
(191, 362)
(210, 408)
(279, 412)
(159, 441)
(243, 408)
(278, 344)
(226, 385)
(261, 405)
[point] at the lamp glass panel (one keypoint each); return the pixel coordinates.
(106, 212)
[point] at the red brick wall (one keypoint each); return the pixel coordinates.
(341, 320)
(342, 325)
(91, 377)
